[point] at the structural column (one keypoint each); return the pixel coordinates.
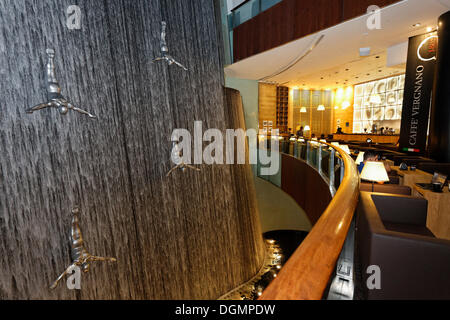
(439, 146)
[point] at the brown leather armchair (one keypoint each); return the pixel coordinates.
(392, 234)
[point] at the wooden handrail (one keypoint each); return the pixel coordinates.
(307, 273)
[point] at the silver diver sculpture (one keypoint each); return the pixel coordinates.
(80, 256)
(177, 157)
(56, 99)
(165, 56)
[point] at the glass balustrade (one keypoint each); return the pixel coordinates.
(317, 155)
(249, 10)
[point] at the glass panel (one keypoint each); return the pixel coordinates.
(390, 113)
(359, 90)
(392, 84)
(368, 89)
(357, 127)
(367, 126)
(398, 115)
(392, 98)
(314, 157)
(249, 10)
(326, 161)
(357, 115)
(266, 4)
(380, 86)
(358, 103)
(400, 97)
(383, 100)
(378, 113)
(401, 82)
(367, 114)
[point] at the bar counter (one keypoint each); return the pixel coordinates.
(376, 138)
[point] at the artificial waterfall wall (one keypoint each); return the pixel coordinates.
(192, 235)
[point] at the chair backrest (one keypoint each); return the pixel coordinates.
(397, 209)
(386, 188)
(431, 167)
(411, 160)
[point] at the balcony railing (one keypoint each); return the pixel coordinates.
(307, 273)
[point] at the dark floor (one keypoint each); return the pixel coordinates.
(288, 241)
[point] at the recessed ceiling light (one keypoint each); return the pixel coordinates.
(417, 25)
(429, 29)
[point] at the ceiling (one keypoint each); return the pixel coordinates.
(335, 61)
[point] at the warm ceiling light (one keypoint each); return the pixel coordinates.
(321, 108)
(429, 29)
(303, 110)
(417, 25)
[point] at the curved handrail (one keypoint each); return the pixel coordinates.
(307, 273)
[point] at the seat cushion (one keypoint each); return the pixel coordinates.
(408, 228)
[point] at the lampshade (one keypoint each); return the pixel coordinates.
(345, 148)
(321, 108)
(307, 128)
(360, 158)
(303, 110)
(374, 172)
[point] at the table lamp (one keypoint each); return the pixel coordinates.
(360, 158)
(346, 148)
(374, 172)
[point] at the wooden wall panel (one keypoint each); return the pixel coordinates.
(267, 104)
(305, 186)
(290, 20)
(193, 235)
